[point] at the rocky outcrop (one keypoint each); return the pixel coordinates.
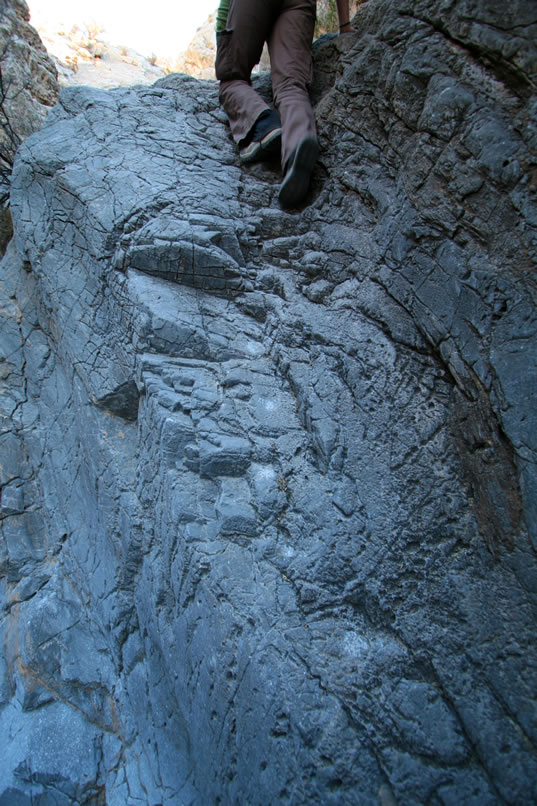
(28, 89)
(198, 58)
(30, 80)
(269, 478)
(82, 56)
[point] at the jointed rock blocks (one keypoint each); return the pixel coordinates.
(269, 527)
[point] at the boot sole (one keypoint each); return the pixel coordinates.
(260, 150)
(297, 181)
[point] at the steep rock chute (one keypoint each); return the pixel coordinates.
(269, 528)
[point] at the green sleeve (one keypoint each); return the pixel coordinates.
(221, 16)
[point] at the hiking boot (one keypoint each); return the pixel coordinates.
(298, 172)
(264, 140)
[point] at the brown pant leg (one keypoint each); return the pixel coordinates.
(292, 71)
(239, 49)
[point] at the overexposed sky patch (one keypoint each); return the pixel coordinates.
(162, 27)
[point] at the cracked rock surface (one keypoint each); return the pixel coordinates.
(268, 479)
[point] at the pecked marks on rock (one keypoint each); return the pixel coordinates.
(280, 564)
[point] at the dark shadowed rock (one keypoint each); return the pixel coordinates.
(122, 401)
(305, 573)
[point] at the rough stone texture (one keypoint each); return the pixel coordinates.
(269, 479)
(28, 89)
(198, 59)
(27, 69)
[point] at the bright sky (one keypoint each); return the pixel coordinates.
(162, 27)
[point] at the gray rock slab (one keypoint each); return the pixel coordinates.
(269, 478)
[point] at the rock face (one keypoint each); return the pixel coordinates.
(269, 479)
(198, 58)
(28, 89)
(81, 56)
(29, 85)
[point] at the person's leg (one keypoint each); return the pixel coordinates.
(239, 49)
(292, 71)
